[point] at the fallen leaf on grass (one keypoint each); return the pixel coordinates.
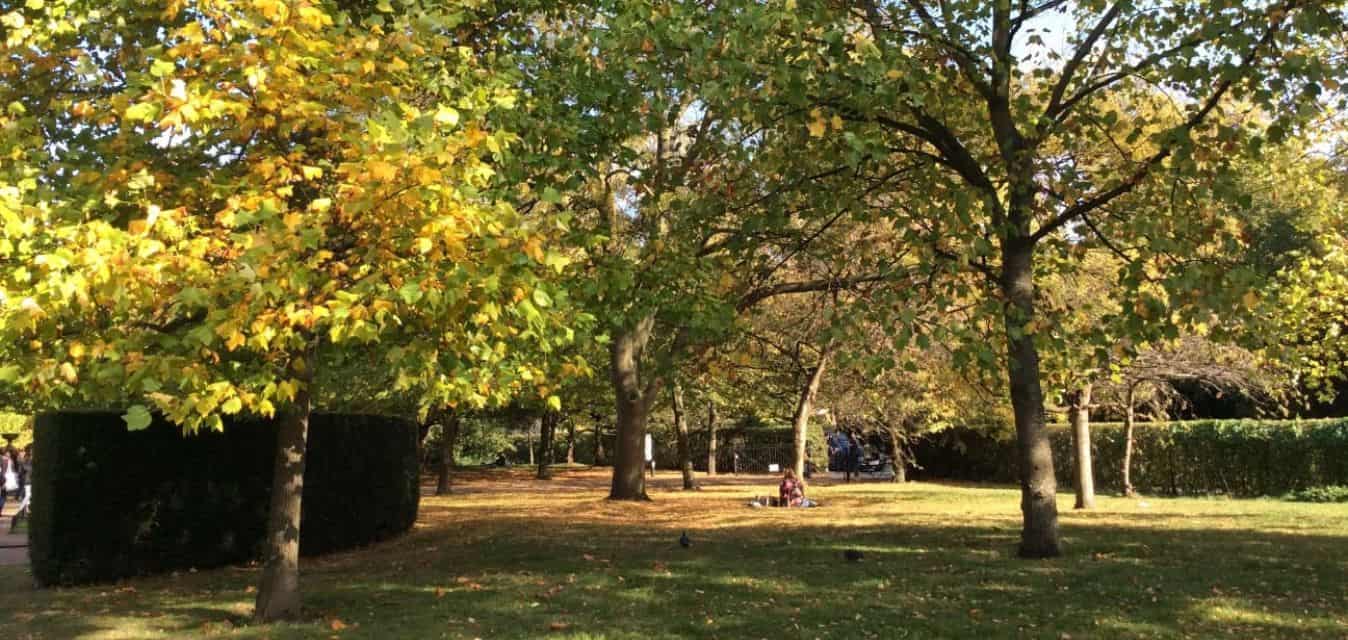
(336, 624)
(559, 626)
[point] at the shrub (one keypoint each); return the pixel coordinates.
(1333, 493)
(1231, 457)
(108, 503)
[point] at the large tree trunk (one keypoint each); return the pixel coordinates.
(1128, 418)
(801, 422)
(571, 441)
(681, 429)
(633, 404)
(449, 438)
(546, 437)
(711, 438)
(1038, 487)
(278, 591)
(1080, 417)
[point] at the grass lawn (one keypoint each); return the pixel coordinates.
(510, 557)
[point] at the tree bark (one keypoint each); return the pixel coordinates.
(633, 404)
(1080, 416)
(711, 438)
(900, 469)
(571, 441)
(1038, 486)
(801, 422)
(278, 591)
(1128, 418)
(449, 438)
(529, 440)
(681, 429)
(599, 457)
(546, 437)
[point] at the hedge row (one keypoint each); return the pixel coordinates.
(108, 503)
(1231, 457)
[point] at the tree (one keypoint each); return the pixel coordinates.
(251, 197)
(450, 422)
(1156, 369)
(1008, 135)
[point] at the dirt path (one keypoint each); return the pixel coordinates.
(13, 548)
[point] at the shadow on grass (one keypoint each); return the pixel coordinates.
(496, 561)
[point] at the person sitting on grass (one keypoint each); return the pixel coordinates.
(791, 493)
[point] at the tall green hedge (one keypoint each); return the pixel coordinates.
(108, 503)
(1230, 457)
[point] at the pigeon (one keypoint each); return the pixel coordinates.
(685, 541)
(853, 555)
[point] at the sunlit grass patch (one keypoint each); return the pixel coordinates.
(507, 556)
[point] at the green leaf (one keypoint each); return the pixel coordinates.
(542, 299)
(137, 417)
(410, 293)
(551, 195)
(385, 6)
(9, 373)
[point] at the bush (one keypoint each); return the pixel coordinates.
(1335, 493)
(108, 503)
(1231, 457)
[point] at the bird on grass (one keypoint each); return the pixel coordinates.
(853, 555)
(685, 541)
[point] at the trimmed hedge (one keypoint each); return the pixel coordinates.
(109, 503)
(1199, 457)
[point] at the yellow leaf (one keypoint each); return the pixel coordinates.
(380, 170)
(1251, 299)
(68, 372)
(446, 116)
(292, 221)
(893, 74)
(311, 173)
(837, 123)
(235, 341)
(818, 126)
(424, 245)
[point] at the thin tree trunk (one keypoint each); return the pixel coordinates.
(711, 438)
(801, 422)
(278, 591)
(1080, 416)
(599, 457)
(1038, 486)
(571, 441)
(1128, 418)
(900, 469)
(633, 404)
(681, 429)
(449, 438)
(547, 427)
(529, 441)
